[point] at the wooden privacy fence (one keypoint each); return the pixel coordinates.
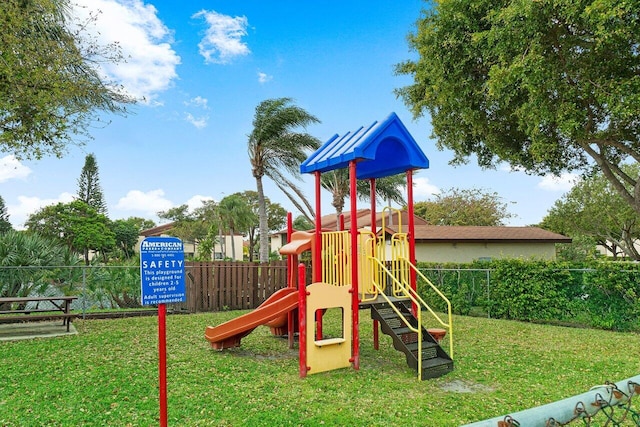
(217, 286)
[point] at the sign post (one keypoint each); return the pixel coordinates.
(162, 282)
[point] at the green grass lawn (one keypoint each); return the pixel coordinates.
(108, 375)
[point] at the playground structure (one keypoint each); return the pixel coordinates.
(355, 268)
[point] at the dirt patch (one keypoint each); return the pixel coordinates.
(460, 386)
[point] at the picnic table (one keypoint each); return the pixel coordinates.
(56, 307)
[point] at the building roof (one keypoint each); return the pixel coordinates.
(382, 149)
(478, 234)
(426, 233)
(364, 219)
(160, 230)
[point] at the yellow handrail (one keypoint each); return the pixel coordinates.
(449, 325)
(401, 266)
(418, 329)
(391, 211)
(416, 299)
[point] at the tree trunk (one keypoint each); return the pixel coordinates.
(264, 227)
(338, 205)
(252, 245)
(233, 245)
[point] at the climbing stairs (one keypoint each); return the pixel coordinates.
(435, 361)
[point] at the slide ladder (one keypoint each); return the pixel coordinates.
(422, 351)
(399, 309)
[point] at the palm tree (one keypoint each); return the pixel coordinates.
(25, 263)
(337, 183)
(275, 149)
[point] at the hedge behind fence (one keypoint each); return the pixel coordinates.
(602, 295)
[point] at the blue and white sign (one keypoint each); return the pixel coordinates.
(162, 270)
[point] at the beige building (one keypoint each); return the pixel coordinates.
(435, 243)
(461, 244)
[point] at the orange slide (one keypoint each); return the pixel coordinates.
(230, 333)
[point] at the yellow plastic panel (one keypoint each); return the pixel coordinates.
(332, 353)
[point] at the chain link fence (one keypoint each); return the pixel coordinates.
(605, 298)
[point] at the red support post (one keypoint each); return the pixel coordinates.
(372, 196)
(290, 270)
(317, 259)
(292, 260)
(162, 362)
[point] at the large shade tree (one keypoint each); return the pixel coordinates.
(464, 206)
(276, 150)
(126, 233)
(77, 225)
(593, 209)
(546, 86)
(50, 87)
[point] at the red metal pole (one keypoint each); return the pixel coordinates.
(372, 196)
(162, 362)
(353, 198)
(291, 262)
(302, 320)
(290, 270)
(317, 260)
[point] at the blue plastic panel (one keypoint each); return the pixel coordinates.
(382, 149)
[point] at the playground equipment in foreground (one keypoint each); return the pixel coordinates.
(355, 268)
(608, 404)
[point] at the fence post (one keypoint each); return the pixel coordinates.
(488, 294)
(84, 292)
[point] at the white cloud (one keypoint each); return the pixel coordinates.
(26, 206)
(198, 101)
(149, 203)
(264, 77)
(196, 201)
(199, 122)
(423, 188)
(145, 42)
(563, 182)
(222, 39)
(11, 168)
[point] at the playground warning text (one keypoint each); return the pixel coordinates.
(162, 270)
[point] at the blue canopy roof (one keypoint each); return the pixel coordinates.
(382, 149)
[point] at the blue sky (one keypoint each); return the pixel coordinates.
(203, 66)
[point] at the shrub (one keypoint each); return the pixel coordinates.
(597, 294)
(611, 296)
